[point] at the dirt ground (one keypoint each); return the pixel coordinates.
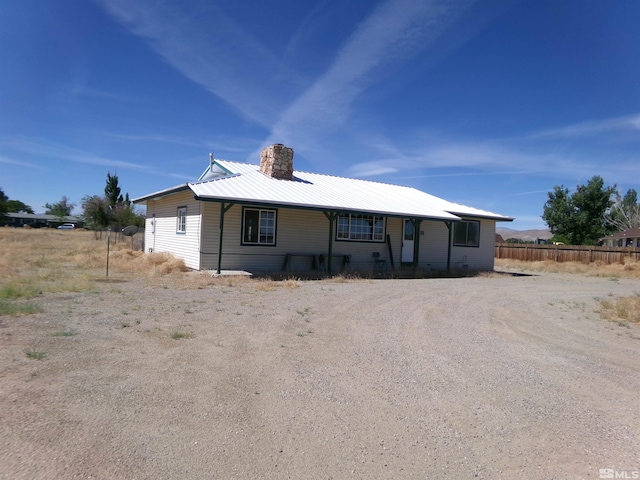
(486, 377)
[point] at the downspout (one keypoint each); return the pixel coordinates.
(331, 216)
(223, 209)
(416, 241)
(448, 224)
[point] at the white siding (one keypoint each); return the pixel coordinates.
(433, 245)
(297, 232)
(163, 237)
(434, 242)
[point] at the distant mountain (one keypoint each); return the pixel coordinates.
(527, 235)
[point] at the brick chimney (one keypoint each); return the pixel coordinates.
(276, 161)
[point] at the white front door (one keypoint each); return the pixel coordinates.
(407, 241)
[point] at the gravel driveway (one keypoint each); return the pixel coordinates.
(486, 377)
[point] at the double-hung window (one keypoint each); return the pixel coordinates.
(181, 220)
(364, 228)
(466, 233)
(258, 226)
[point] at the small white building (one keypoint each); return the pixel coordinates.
(270, 218)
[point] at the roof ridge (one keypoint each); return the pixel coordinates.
(325, 175)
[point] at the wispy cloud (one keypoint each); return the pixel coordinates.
(11, 161)
(395, 31)
(532, 192)
(372, 169)
(483, 157)
(156, 138)
(44, 148)
(625, 124)
(209, 48)
(235, 145)
(467, 174)
(562, 161)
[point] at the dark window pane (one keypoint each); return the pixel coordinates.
(251, 226)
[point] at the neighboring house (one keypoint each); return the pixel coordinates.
(35, 220)
(268, 218)
(626, 238)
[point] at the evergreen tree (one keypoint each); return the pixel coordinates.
(120, 210)
(112, 191)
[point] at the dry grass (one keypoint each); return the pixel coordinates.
(630, 269)
(33, 261)
(621, 309)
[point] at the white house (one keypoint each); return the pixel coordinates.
(626, 238)
(270, 218)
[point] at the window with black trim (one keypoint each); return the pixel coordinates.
(363, 228)
(258, 226)
(181, 220)
(466, 233)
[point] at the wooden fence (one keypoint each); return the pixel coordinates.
(566, 253)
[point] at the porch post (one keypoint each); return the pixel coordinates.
(416, 241)
(331, 216)
(223, 209)
(449, 225)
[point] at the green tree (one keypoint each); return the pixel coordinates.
(3, 204)
(112, 191)
(112, 209)
(625, 211)
(61, 208)
(96, 212)
(16, 206)
(579, 217)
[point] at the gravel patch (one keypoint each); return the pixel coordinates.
(486, 377)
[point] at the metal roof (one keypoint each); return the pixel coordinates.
(161, 193)
(245, 183)
(629, 233)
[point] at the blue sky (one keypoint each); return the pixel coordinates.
(487, 103)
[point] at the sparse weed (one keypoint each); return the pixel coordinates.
(179, 334)
(34, 354)
(12, 291)
(16, 308)
(65, 333)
